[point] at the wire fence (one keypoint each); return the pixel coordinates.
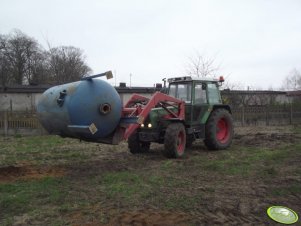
(19, 122)
(269, 115)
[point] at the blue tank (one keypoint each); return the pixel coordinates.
(88, 109)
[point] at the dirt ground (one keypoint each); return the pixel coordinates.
(226, 199)
(27, 172)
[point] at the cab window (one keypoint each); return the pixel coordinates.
(200, 96)
(181, 91)
(213, 94)
(172, 90)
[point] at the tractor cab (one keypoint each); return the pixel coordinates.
(199, 95)
(195, 90)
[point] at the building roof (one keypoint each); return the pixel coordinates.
(42, 88)
(24, 88)
(294, 93)
(252, 92)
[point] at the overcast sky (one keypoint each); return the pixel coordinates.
(255, 42)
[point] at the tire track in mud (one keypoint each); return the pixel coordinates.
(272, 140)
(13, 173)
(149, 217)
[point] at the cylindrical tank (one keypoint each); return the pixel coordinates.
(87, 109)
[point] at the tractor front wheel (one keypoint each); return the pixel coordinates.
(174, 140)
(135, 146)
(219, 130)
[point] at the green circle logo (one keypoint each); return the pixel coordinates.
(282, 214)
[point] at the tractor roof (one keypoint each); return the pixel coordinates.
(193, 78)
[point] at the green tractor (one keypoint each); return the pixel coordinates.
(204, 117)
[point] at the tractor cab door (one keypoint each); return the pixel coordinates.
(206, 95)
(213, 93)
(200, 104)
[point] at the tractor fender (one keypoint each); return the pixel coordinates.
(212, 109)
(225, 106)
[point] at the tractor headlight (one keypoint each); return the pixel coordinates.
(142, 125)
(149, 125)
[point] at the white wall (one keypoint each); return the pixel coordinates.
(18, 101)
(28, 101)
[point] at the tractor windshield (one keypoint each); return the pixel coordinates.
(181, 91)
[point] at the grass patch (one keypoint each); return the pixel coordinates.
(17, 136)
(229, 167)
(136, 188)
(167, 164)
(297, 172)
(269, 171)
(178, 201)
(123, 184)
(131, 186)
(246, 160)
(292, 189)
(41, 149)
(89, 192)
(26, 196)
(296, 129)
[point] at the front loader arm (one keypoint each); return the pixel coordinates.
(146, 105)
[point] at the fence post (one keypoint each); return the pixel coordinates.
(5, 123)
(291, 113)
(243, 115)
(267, 122)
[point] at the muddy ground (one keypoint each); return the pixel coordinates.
(202, 194)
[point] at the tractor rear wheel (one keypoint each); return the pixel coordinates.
(135, 146)
(219, 130)
(174, 140)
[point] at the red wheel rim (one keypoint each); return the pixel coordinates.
(222, 130)
(181, 142)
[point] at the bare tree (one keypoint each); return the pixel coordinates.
(67, 64)
(4, 63)
(232, 85)
(24, 61)
(39, 71)
(21, 58)
(292, 80)
(201, 66)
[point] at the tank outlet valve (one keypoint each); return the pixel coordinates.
(105, 109)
